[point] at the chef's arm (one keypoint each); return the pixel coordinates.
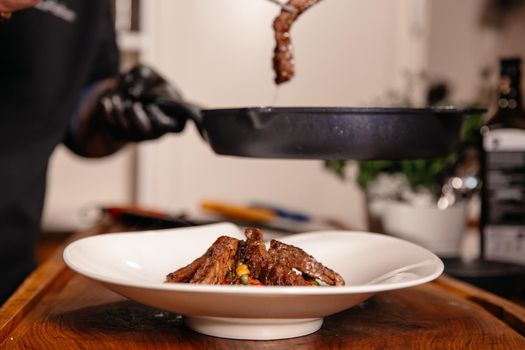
(114, 112)
(15, 5)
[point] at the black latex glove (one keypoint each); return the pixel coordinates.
(129, 109)
(115, 112)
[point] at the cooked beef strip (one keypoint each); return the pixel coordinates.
(255, 254)
(294, 257)
(277, 266)
(283, 60)
(263, 266)
(211, 267)
(282, 275)
(239, 255)
(185, 274)
(220, 261)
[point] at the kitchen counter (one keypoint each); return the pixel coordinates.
(57, 308)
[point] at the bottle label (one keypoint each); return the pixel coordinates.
(504, 140)
(505, 177)
(504, 235)
(505, 243)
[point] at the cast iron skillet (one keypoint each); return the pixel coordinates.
(327, 133)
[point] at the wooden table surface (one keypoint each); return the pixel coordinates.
(56, 308)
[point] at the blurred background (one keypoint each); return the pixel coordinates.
(218, 53)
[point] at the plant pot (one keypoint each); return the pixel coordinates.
(375, 209)
(440, 231)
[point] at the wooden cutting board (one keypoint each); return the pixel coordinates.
(58, 309)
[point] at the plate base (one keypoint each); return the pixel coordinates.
(253, 328)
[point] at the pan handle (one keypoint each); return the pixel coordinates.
(182, 111)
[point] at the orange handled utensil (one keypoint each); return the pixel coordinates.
(239, 212)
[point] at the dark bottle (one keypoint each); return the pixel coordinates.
(503, 172)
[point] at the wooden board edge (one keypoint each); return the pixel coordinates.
(53, 273)
(507, 311)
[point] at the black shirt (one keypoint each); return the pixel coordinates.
(48, 54)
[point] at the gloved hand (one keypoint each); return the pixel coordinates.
(124, 110)
(129, 109)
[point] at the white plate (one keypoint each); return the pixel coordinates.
(135, 265)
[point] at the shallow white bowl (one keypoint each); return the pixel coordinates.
(135, 265)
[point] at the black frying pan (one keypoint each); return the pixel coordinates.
(328, 133)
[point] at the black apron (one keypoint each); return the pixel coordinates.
(48, 54)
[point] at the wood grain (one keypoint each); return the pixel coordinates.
(58, 309)
(85, 315)
(507, 311)
(52, 273)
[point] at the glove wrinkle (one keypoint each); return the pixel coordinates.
(141, 126)
(121, 127)
(161, 120)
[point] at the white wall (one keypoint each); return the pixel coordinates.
(77, 184)
(458, 48)
(219, 54)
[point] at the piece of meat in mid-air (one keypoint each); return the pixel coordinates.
(283, 58)
(211, 267)
(296, 258)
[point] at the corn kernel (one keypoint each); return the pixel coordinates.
(242, 270)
